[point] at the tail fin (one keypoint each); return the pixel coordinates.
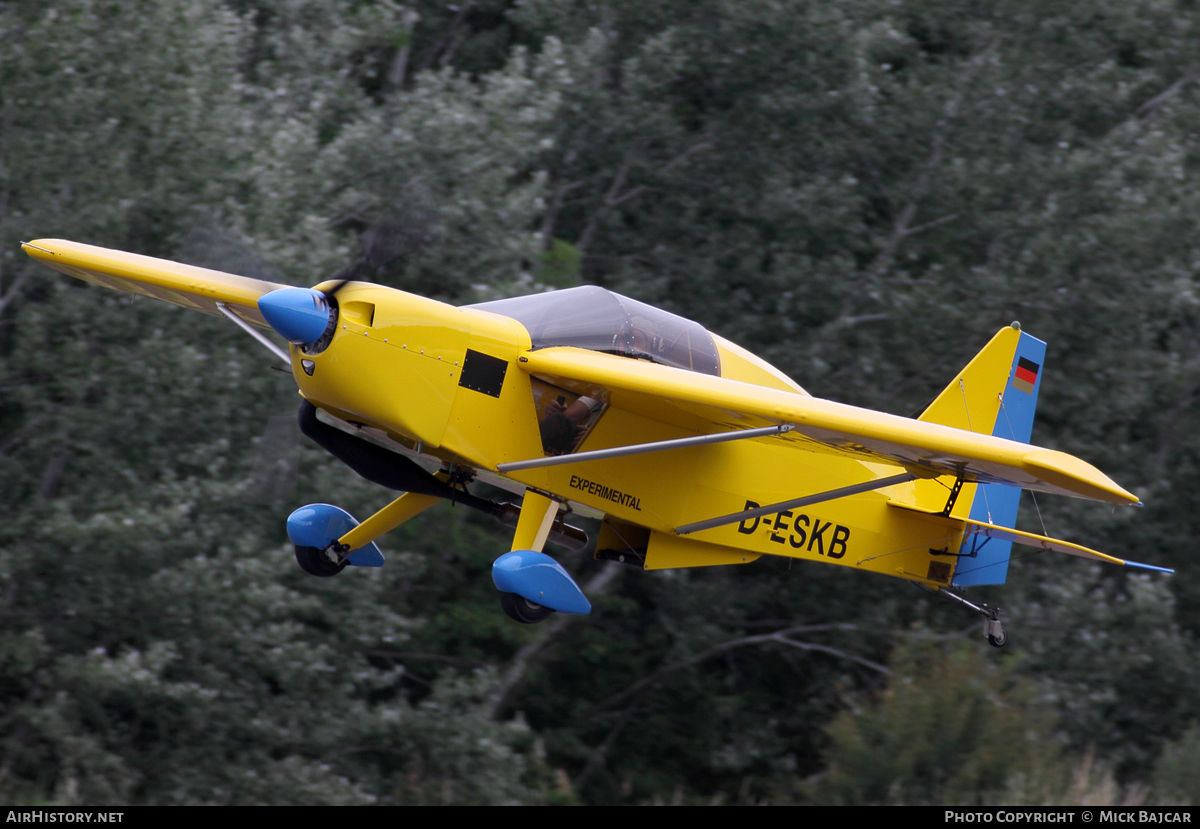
(996, 394)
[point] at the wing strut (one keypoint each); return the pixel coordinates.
(258, 335)
(642, 448)
(828, 495)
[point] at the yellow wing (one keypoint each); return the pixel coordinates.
(926, 449)
(184, 285)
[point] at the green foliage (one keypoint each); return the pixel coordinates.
(560, 264)
(951, 728)
(1177, 775)
(1111, 657)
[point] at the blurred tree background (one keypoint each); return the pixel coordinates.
(859, 191)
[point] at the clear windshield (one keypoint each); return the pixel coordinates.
(599, 320)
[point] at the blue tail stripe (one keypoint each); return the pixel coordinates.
(997, 503)
(1015, 418)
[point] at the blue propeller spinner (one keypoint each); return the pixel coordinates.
(299, 315)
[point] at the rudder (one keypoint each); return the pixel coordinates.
(995, 394)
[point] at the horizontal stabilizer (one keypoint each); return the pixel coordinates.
(980, 529)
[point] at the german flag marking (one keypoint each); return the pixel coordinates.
(1025, 375)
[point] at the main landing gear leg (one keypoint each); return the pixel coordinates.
(387, 519)
(533, 526)
(996, 635)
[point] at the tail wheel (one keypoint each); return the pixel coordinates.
(520, 609)
(998, 640)
(316, 562)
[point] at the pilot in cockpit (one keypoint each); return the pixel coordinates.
(635, 339)
(564, 424)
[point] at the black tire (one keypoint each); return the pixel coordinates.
(998, 641)
(316, 563)
(520, 609)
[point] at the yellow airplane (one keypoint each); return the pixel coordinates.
(690, 450)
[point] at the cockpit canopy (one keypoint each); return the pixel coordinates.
(591, 317)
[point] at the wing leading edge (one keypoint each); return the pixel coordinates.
(184, 285)
(926, 449)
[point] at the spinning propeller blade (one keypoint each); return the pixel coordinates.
(331, 293)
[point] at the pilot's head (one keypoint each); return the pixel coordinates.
(638, 337)
(558, 433)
